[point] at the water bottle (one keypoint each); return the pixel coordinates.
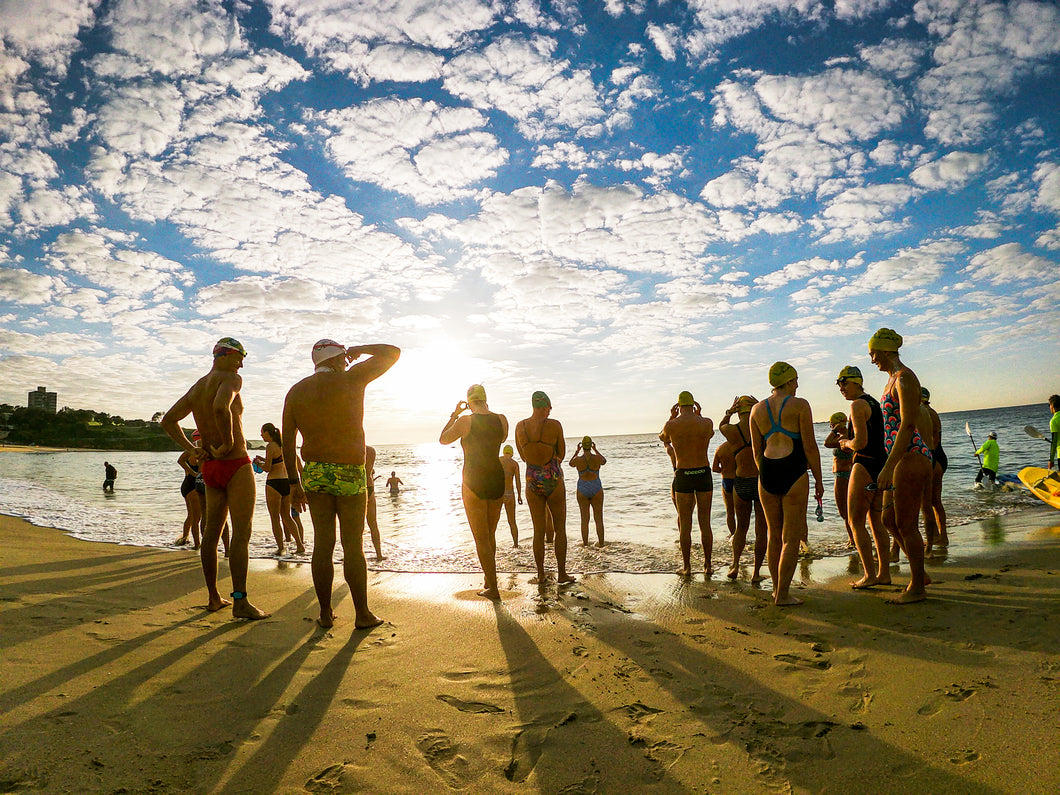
(820, 510)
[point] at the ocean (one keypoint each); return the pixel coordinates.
(424, 529)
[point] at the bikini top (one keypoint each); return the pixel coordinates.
(776, 427)
(743, 439)
(277, 460)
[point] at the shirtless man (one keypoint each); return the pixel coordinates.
(539, 441)
(512, 487)
(394, 483)
(217, 408)
(327, 408)
(725, 465)
(687, 436)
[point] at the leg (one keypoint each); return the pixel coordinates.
(912, 476)
(936, 504)
(793, 507)
(538, 516)
(216, 514)
(761, 540)
(370, 516)
(351, 512)
(583, 509)
(597, 503)
(241, 508)
(686, 503)
(706, 535)
(272, 502)
(858, 501)
(191, 501)
(742, 515)
(557, 509)
(841, 489)
(770, 506)
(509, 509)
(323, 511)
(477, 511)
(730, 510)
(291, 528)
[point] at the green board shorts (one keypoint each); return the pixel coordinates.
(338, 480)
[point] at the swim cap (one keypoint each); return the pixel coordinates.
(476, 392)
(850, 373)
(540, 400)
(227, 345)
(195, 435)
(837, 418)
(685, 399)
(781, 373)
(992, 435)
(925, 395)
(508, 449)
(587, 443)
(744, 404)
(327, 349)
(885, 339)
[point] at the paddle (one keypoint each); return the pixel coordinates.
(1034, 433)
(968, 430)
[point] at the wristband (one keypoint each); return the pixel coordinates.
(239, 594)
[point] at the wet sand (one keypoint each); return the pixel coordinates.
(116, 679)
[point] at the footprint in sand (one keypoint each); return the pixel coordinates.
(476, 707)
(636, 711)
(802, 662)
(333, 779)
(527, 745)
(442, 755)
(964, 756)
(955, 693)
(663, 755)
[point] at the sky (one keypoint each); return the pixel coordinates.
(611, 201)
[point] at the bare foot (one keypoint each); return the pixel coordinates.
(515, 545)
(216, 604)
(490, 593)
(368, 622)
(565, 579)
(756, 577)
(733, 572)
(300, 551)
(708, 570)
(599, 543)
(540, 579)
(279, 552)
(863, 583)
(244, 609)
(908, 597)
(786, 601)
(927, 578)
(326, 621)
(685, 572)
(180, 542)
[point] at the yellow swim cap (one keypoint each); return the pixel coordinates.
(745, 403)
(781, 373)
(837, 418)
(885, 339)
(476, 392)
(508, 449)
(587, 443)
(850, 373)
(685, 399)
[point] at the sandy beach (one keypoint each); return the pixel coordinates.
(115, 679)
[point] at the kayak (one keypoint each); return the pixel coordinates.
(1043, 484)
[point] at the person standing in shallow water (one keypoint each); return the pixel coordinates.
(686, 436)
(394, 483)
(842, 463)
(482, 483)
(327, 408)
(539, 440)
(785, 447)
(215, 403)
(744, 487)
(907, 471)
(512, 489)
(110, 474)
(933, 509)
(588, 460)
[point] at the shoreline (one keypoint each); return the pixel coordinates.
(115, 677)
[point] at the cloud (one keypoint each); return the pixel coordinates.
(907, 271)
(952, 170)
(803, 269)
(45, 31)
(1008, 263)
(117, 269)
(20, 286)
(899, 58)
(428, 152)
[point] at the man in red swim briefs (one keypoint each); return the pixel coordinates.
(217, 409)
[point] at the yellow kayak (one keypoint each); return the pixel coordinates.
(1044, 484)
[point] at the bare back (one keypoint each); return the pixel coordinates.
(539, 440)
(689, 435)
(328, 410)
(215, 403)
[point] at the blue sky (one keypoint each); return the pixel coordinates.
(611, 201)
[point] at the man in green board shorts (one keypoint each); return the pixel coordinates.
(327, 408)
(1054, 431)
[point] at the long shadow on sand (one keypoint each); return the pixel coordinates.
(559, 724)
(792, 742)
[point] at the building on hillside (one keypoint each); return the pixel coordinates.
(43, 399)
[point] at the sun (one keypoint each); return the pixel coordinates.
(429, 380)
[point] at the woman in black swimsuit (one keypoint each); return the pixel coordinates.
(745, 487)
(193, 522)
(481, 434)
(278, 490)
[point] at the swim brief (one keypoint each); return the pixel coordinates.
(727, 484)
(746, 488)
(687, 481)
(338, 480)
(281, 485)
(217, 474)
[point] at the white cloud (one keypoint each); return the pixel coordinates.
(804, 269)
(1009, 262)
(907, 271)
(900, 58)
(430, 153)
(20, 286)
(45, 31)
(1047, 175)
(952, 170)
(118, 269)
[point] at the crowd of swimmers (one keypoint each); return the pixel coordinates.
(887, 458)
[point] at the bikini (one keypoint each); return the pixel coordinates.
(873, 455)
(590, 488)
(217, 474)
(483, 472)
(281, 485)
(778, 475)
